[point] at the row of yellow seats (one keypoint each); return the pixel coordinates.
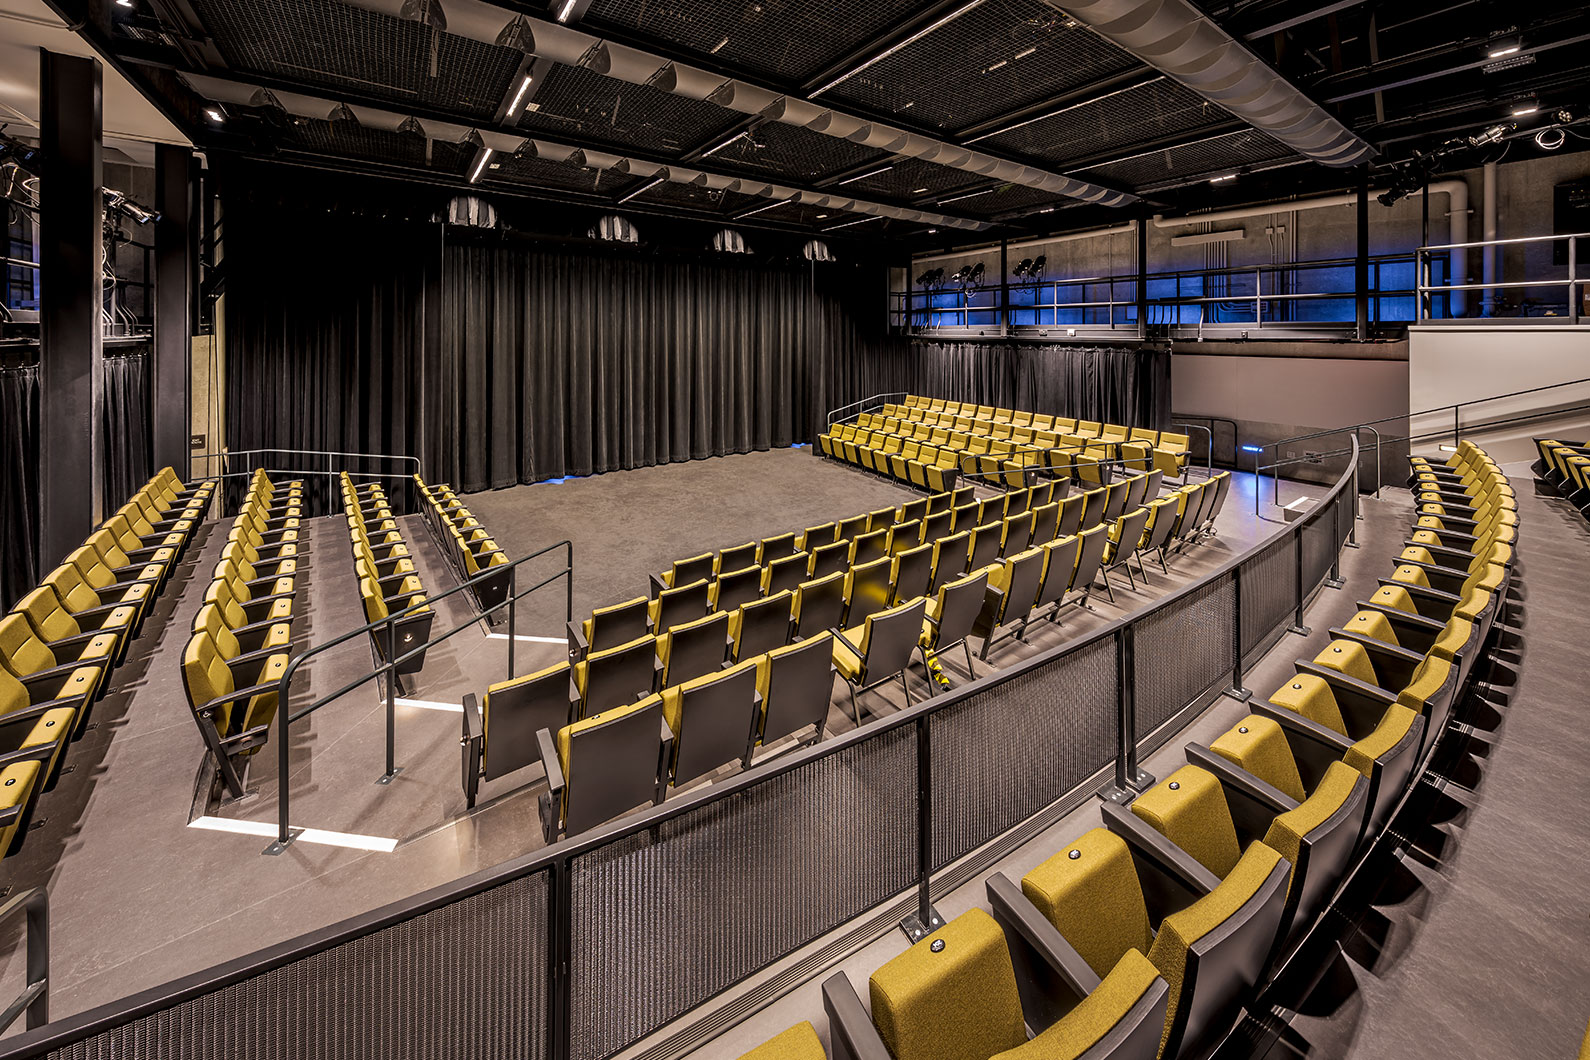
(242, 633)
(1005, 445)
(60, 642)
(389, 583)
(472, 550)
(1097, 949)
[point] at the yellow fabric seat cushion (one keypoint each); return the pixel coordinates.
(1259, 746)
(957, 1004)
(1093, 899)
(1189, 808)
(1372, 624)
(1348, 658)
(1180, 930)
(1393, 727)
(1312, 698)
(1287, 831)
(845, 660)
(800, 1042)
(1081, 1029)
(1453, 639)
(1429, 677)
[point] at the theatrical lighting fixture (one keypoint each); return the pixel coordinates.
(1491, 135)
(118, 202)
(1502, 48)
(1021, 267)
(566, 10)
(1224, 178)
(1037, 266)
(864, 176)
(518, 97)
(214, 114)
(1550, 139)
(480, 166)
(25, 157)
(1525, 109)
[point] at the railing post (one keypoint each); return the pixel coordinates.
(1574, 298)
(1236, 691)
(284, 835)
(38, 959)
(926, 919)
(1128, 779)
(1334, 579)
(1297, 562)
(513, 609)
(559, 935)
(391, 702)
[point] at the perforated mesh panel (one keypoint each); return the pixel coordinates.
(1269, 592)
(1181, 652)
(785, 40)
(697, 198)
(335, 45)
(347, 140)
(1190, 162)
(664, 919)
(1002, 755)
(563, 176)
(1003, 199)
(907, 180)
(587, 105)
(468, 979)
(994, 59)
(787, 152)
(1112, 124)
(1319, 548)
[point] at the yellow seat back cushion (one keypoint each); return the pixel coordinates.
(1311, 697)
(1429, 677)
(1392, 728)
(1286, 832)
(1180, 930)
(957, 1004)
(1348, 658)
(1453, 639)
(800, 1042)
(1372, 624)
(1189, 808)
(1094, 898)
(1259, 746)
(1082, 1028)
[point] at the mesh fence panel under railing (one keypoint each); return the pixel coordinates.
(1004, 754)
(1181, 652)
(665, 918)
(1268, 587)
(465, 979)
(1319, 545)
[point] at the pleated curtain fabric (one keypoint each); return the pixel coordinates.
(125, 427)
(19, 482)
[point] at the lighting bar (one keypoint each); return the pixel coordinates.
(518, 97)
(714, 149)
(566, 10)
(1524, 110)
(864, 176)
(881, 56)
(641, 190)
(480, 167)
(1223, 178)
(769, 206)
(967, 195)
(847, 224)
(214, 114)
(1253, 449)
(1504, 51)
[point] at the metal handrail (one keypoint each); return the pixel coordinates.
(34, 903)
(834, 415)
(558, 858)
(1209, 451)
(1574, 281)
(388, 627)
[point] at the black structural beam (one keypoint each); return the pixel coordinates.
(71, 348)
(172, 361)
(1361, 258)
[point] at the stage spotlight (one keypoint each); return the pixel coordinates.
(974, 275)
(1037, 266)
(118, 202)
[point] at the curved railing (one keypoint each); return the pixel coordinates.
(585, 948)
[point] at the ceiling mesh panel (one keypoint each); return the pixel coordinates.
(1192, 162)
(787, 41)
(1002, 199)
(327, 44)
(996, 58)
(346, 140)
(587, 105)
(563, 176)
(1110, 125)
(907, 180)
(696, 198)
(788, 152)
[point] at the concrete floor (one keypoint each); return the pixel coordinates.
(143, 886)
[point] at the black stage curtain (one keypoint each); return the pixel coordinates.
(19, 482)
(125, 426)
(1116, 384)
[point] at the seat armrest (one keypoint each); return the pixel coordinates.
(1313, 745)
(839, 635)
(34, 711)
(54, 673)
(657, 586)
(75, 640)
(1395, 662)
(252, 660)
(549, 762)
(1253, 802)
(1051, 976)
(578, 646)
(851, 1033)
(1362, 704)
(1399, 617)
(1151, 850)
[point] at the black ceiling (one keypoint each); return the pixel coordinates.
(1017, 79)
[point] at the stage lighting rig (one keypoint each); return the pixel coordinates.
(117, 202)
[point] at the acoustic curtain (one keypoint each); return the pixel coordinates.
(499, 363)
(125, 427)
(19, 482)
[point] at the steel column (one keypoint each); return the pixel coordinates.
(172, 372)
(1361, 259)
(1142, 280)
(70, 371)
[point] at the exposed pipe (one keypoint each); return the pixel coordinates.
(1488, 261)
(1036, 241)
(1456, 190)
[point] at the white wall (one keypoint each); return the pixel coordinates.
(1457, 363)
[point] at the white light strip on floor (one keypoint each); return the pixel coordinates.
(350, 840)
(430, 704)
(537, 640)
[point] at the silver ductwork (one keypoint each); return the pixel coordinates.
(1181, 42)
(222, 90)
